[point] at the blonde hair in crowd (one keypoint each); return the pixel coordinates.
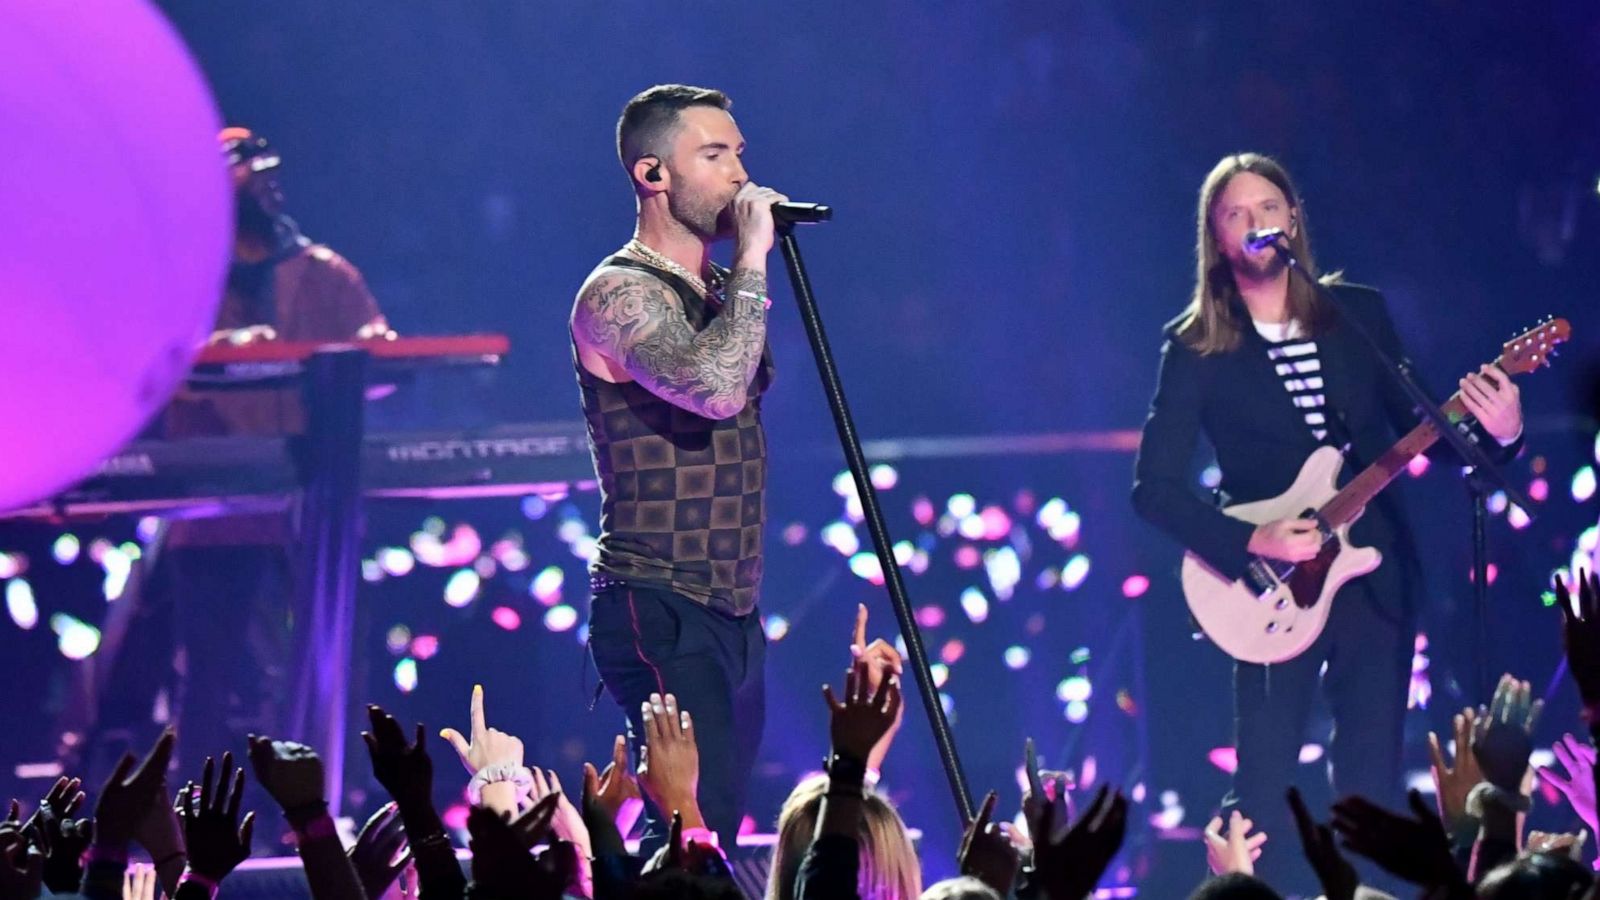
(889, 866)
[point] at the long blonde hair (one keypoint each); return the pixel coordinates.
(1212, 322)
(889, 866)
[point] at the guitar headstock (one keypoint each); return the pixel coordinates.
(1533, 348)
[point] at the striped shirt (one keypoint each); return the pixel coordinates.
(1295, 360)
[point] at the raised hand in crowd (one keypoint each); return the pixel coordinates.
(403, 768)
(1230, 847)
(1570, 845)
(685, 854)
(1038, 787)
(21, 863)
(1335, 873)
(856, 725)
(669, 764)
(1453, 780)
(986, 853)
(615, 790)
(613, 870)
(294, 775)
(494, 760)
(380, 852)
(568, 822)
(501, 863)
(1502, 742)
(1068, 860)
(126, 798)
(567, 825)
(1580, 635)
(56, 807)
(1503, 738)
(866, 714)
(123, 806)
(139, 883)
(216, 839)
(1413, 847)
(161, 835)
(406, 771)
(1576, 782)
(882, 661)
(59, 837)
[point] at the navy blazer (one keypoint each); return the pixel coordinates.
(1238, 402)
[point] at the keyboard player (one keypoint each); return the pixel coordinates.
(213, 629)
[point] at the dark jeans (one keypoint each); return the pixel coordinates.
(649, 640)
(1368, 657)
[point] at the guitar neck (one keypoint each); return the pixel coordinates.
(1354, 497)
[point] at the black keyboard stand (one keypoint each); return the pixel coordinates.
(327, 555)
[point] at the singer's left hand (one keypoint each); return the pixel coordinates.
(1493, 399)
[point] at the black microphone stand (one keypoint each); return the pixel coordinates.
(873, 515)
(1481, 478)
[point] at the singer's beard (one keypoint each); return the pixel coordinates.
(1263, 266)
(707, 218)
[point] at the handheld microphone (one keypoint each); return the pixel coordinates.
(1259, 239)
(801, 213)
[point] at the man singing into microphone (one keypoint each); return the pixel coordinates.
(672, 361)
(1268, 373)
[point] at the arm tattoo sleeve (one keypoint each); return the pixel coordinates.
(639, 322)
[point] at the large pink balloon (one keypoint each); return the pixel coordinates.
(115, 221)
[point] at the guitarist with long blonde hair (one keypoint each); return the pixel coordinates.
(1268, 372)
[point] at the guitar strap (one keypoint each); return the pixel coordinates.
(1339, 434)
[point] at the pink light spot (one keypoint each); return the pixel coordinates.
(930, 616)
(506, 618)
(967, 557)
(996, 524)
(424, 646)
(455, 818)
(1025, 503)
(1224, 758)
(1135, 586)
(952, 652)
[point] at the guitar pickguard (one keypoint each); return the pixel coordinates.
(1309, 577)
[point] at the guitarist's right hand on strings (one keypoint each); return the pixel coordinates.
(1290, 540)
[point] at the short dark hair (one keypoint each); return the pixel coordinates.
(651, 118)
(1235, 886)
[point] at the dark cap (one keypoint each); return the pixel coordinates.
(243, 146)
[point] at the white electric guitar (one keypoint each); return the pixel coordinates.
(1277, 610)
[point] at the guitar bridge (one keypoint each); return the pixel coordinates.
(1263, 575)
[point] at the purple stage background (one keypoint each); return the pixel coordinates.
(1014, 187)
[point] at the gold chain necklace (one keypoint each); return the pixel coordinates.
(662, 261)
